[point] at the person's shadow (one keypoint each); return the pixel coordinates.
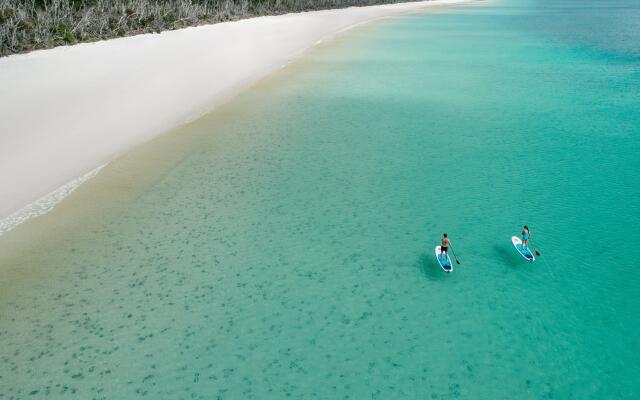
(508, 257)
(430, 267)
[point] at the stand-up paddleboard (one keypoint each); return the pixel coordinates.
(524, 252)
(445, 262)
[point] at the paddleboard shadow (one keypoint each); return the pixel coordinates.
(507, 256)
(430, 268)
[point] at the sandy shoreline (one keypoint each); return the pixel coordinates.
(68, 110)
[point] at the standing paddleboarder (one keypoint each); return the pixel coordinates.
(525, 236)
(442, 254)
(445, 243)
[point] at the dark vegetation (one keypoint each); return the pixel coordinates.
(36, 24)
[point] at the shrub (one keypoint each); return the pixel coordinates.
(29, 24)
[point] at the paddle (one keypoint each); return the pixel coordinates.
(534, 248)
(454, 254)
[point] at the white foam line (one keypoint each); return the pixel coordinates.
(46, 203)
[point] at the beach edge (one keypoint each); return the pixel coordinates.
(74, 109)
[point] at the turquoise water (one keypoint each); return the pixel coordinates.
(291, 252)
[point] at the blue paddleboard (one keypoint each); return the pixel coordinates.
(444, 261)
(524, 251)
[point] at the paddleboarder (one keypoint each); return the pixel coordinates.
(445, 243)
(525, 237)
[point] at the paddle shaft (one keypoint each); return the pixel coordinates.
(454, 254)
(534, 247)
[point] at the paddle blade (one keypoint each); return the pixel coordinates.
(457, 261)
(537, 253)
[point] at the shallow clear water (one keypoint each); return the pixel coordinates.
(290, 253)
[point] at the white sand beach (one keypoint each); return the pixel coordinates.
(66, 111)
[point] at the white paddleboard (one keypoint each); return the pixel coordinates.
(445, 262)
(526, 252)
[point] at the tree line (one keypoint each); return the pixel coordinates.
(27, 25)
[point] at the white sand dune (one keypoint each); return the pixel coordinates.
(68, 110)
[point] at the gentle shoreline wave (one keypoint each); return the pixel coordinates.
(46, 203)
